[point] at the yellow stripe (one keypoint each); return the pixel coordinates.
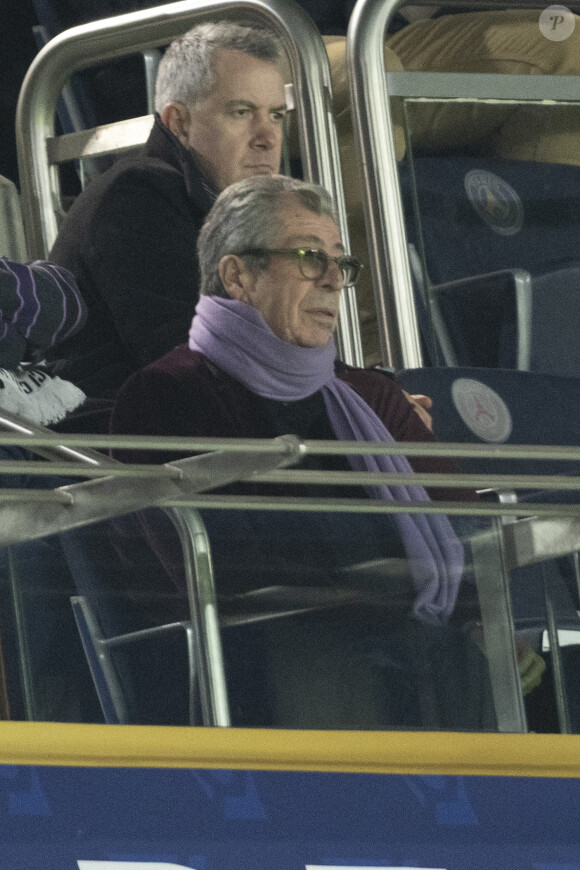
(339, 751)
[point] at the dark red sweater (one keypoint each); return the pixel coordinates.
(184, 394)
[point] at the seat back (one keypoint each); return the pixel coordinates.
(475, 216)
(484, 322)
(470, 217)
(501, 406)
(141, 666)
(496, 406)
(47, 675)
(555, 315)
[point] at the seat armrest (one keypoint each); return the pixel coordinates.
(484, 320)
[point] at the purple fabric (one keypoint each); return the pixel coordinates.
(236, 338)
(40, 306)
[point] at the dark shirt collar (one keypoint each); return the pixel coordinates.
(167, 147)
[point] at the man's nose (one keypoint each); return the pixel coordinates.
(333, 280)
(266, 133)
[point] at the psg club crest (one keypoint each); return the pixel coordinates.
(495, 201)
(482, 410)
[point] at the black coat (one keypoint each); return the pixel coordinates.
(130, 239)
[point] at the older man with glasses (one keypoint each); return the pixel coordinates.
(260, 362)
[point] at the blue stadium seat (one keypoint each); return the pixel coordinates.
(497, 406)
(127, 649)
(481, 322)
(47, 676)
(474, 405)
(48, 679)
(475, 217)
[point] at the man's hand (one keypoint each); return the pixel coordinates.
(421, 404)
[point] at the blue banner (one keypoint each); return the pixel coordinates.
(89, 818)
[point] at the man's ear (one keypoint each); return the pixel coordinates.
(235, 277)
(176, 117)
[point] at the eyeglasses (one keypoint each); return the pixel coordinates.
(313, 262)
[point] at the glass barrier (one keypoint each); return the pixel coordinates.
(492, 243)
(295, 602)
(466, 209)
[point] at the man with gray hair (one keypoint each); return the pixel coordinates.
(260, 363)
(130, 236)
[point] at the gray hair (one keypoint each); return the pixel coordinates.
(185, 72)
(249, 214)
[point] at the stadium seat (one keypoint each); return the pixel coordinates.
(48, 679)
(471, 217)
(501, 406)
(497, 406)
(126, 648)
(145, 659)
(46, 673)
(481, 322)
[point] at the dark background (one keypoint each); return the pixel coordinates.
(17, 50)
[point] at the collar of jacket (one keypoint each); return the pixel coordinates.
(163, 145)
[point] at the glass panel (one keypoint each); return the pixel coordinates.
(47, 678)
(320, 626)
(493, 239)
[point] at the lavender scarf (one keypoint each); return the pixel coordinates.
(237, 339)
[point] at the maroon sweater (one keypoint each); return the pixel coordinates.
(184, 394)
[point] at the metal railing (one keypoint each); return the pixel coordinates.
(371, 90)
(117, 489)
(184, 486)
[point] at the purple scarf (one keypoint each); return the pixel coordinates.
(236, 338)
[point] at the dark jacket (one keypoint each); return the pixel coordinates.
(130, 240)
